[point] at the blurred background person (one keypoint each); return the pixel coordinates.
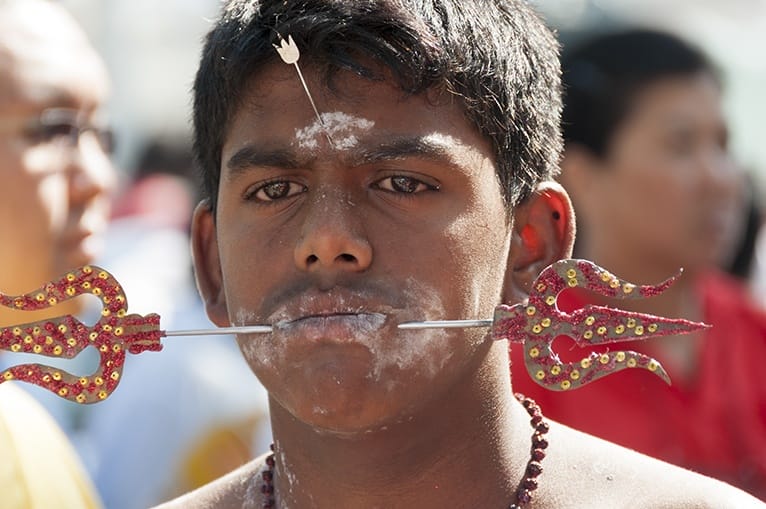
(749, 261)
(192, 412)
(55, 180)
(654, 187)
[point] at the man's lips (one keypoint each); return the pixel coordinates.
(336, 326)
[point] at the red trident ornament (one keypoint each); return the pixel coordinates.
(65, 336)
(535, 323)
(539, 322)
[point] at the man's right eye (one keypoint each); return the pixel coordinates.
(275, 190)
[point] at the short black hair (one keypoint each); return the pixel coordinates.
(496, 56)
(603, 76)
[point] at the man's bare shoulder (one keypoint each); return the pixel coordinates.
(585, 471)
(240, 488)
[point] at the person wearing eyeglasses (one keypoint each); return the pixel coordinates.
(55, 171)
(55, 184)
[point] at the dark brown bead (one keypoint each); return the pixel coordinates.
(538, 454)
(524, 497)
(539, 442)
(543, 427)
(529, 483)
(534, 469)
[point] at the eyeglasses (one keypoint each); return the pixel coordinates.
(64, 127)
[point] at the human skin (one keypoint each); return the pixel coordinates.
(324, 243)
(54, 200)
(339, 249)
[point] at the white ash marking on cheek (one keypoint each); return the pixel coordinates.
(256, 348)
(244, 317)
(341, 127)
(421, 350)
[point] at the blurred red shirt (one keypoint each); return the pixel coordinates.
(714, 423)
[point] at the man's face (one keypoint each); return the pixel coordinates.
(401, 219)
(53, 195)
(669, 189)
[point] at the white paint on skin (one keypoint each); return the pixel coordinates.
(341, 127)
(420, 350)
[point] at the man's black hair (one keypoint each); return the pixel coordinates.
(603, 76)
(496, 56)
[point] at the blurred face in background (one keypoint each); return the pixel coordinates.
(55, 171)
(666, 192)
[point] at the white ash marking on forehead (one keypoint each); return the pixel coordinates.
(341, 127)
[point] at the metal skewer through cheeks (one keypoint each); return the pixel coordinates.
(535, 323)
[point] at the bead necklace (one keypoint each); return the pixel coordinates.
(524, 491)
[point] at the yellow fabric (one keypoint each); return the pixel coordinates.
(39, 469)
(221, 450)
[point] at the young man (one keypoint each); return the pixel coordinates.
(421, 191)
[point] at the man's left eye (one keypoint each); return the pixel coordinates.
(403, 184)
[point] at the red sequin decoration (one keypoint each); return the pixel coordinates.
(65, 336)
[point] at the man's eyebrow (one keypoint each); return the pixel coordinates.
(437, 148)
(249, 157)
(428, 147)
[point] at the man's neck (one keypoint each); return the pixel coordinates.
(467, 448)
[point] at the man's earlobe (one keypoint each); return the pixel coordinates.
(207, 264)
(543, 232)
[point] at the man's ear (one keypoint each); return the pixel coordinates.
(207, 264)
(543, 232)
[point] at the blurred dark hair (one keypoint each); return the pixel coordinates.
(744, 257)
(496, 56)
(603, 76)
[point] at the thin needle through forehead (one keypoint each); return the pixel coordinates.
(289, 53)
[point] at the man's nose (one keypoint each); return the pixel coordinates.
(332, 237)
(91, 170)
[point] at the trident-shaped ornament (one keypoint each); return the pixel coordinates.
(536, 323)
(115, 333)
(539, 322)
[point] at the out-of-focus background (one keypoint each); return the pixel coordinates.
(151, 50)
